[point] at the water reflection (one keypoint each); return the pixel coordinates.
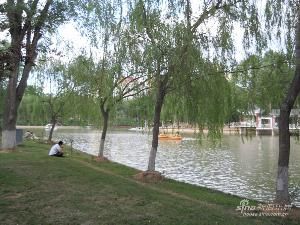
(245, 167)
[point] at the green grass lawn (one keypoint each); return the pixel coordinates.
(38, 189)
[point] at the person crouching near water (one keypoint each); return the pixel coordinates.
(56, 150)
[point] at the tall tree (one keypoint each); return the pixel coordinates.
(281, 20)
(27, 22)
(282, 193)
(108, 84)
(178, 42)
(116, 76)
(283, 23)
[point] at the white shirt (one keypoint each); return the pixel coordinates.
(55, 149)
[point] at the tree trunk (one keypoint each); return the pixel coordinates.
(161, 92)
(282, 194)
(12, 102)
(51, 130)
(105, 114)
(10, 112)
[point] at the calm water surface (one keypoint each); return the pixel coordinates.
(240, 166)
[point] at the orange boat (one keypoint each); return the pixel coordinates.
(169, 137)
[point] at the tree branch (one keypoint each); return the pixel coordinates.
(30, 12)
(211, 12)
(31, 53)
(134, 94)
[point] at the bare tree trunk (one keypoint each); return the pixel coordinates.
(161, 92)
(105, 114)
(282, 194)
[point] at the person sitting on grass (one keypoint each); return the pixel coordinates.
(56, 150)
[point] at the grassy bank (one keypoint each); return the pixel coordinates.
(38, 189)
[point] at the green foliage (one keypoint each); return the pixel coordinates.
(162, 41)
(208, 100)
(281, 18)
(190, 58)
(135, 112)
(30, 21)
(32, 111)
(83, 110)
(61, 104)
(264, 80)
(114, 76)
(4, 53)
(99, 20)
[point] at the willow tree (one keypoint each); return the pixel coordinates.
(181, 38)
(106, 84)
(112, 92)
(113, 76)
(56, 101)
(264, 80)
(289, 20)
(281, 20)
(26, 22)
(32, 110)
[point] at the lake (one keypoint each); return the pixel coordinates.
(243, 166)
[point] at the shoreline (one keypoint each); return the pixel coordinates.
(107, 189)
(226, 130)
(43, 127)
(92, 154)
